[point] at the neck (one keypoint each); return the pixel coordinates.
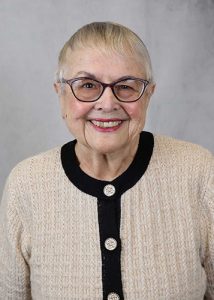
(106, 166)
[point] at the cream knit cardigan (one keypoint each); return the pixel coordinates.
(49, 235)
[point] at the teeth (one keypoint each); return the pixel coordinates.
(106, 124)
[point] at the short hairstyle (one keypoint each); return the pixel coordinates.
(107, 37)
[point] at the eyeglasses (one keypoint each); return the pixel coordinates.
(86, 89)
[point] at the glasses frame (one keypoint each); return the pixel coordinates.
(104, 86)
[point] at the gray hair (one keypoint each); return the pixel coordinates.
(107, 37)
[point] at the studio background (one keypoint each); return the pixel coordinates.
(179, 35)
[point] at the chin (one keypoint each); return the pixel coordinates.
(106, 148)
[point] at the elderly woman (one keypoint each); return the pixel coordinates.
(118, 213)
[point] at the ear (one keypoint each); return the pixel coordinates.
(63, 107)
(149, 92)
(152, 89)
(57, 88)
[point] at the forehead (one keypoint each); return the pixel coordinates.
(102, 64)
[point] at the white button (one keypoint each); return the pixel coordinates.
(110, 244)
(109, 190)
(113, 296)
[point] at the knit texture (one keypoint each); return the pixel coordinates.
(49, 233)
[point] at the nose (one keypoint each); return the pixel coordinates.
(107, 102)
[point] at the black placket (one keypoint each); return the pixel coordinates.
(110, 244)
(108, 196)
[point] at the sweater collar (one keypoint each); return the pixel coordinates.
(122, 183)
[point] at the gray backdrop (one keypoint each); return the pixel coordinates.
(179, 35)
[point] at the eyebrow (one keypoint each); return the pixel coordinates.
(87, 74)
(90, 75)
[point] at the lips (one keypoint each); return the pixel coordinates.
(106, 124)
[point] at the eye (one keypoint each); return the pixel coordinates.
(88, 85)
(124, 87)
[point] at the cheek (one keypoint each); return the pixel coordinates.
(76, 110)
(135, 110)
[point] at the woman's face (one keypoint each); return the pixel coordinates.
(107, 125)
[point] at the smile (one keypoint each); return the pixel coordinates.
(106, 124)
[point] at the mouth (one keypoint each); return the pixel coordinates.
(107, 125)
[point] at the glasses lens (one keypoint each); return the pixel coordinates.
(86, 89)
(129, 89)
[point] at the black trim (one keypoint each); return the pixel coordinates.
(109, 206)
(109, 217)
(125, 181)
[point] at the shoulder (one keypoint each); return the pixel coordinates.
(24, 180)
(35, 167)
(176, 150)
(184, 163)
(182, 159)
